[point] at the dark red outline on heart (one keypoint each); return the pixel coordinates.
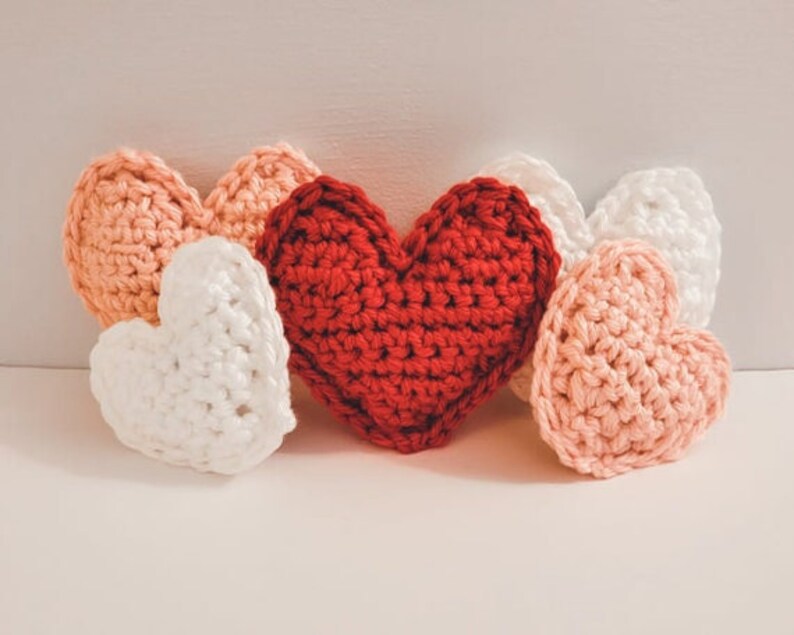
(329, 192)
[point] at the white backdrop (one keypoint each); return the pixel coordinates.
(404, 98)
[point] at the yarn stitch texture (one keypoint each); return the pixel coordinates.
(130, 212)
(209, 387)
(669, 208)
(666, 207)
(618, 383)
(401, 341)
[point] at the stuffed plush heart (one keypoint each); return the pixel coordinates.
(209, 387)
(403, 340)
(618, 382)
(129, 212)
(668, 208)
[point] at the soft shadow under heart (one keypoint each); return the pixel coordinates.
(60, 425)
(498, 442)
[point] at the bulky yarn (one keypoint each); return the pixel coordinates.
(209, 387)
(618, 383)
(401, 341)
(130, 212)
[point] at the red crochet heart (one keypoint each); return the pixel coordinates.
(402, 341)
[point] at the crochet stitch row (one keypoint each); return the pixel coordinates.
(403, 340)
(209, 386)
(619, 383)
(129, 212)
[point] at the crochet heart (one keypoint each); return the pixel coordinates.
(129, 212)
(209, 387)
(618, 383)
(668, 208)
(401, 341)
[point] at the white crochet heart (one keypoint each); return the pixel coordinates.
(666, 207)
(209, 387)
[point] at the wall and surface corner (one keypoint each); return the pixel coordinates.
(405, 99)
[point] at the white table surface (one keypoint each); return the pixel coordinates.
(330, 535)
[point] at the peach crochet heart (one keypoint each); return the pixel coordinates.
(618, 383)
(130, 212)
